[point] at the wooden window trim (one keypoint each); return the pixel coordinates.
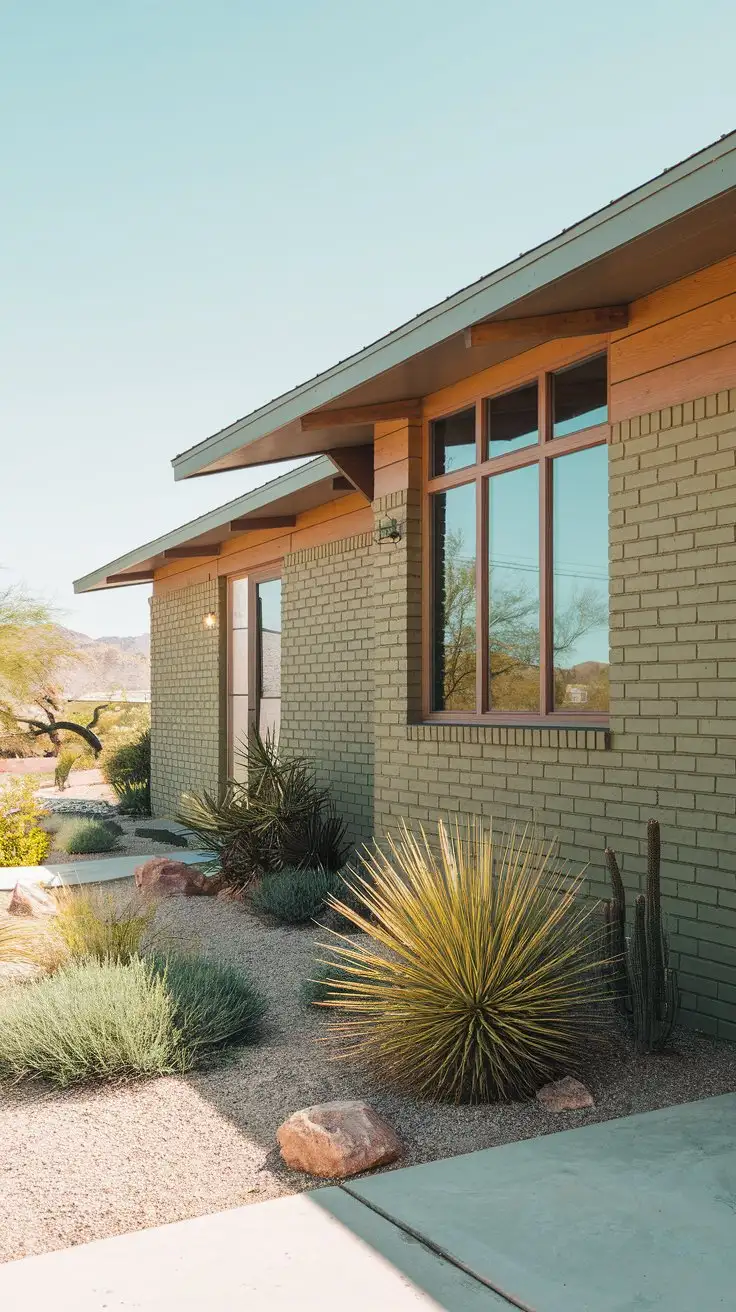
(541, 453)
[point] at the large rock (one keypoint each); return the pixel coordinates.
(31, 900)
(167, 877)
(566, 1095)
(337, 1139)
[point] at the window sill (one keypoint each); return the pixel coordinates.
(582, 737)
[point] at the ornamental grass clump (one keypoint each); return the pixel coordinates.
(109, 1020)
(214, 1005)
(100, 925)
(480, 977)
(89, 1021)
(293, 896)
(82, 837)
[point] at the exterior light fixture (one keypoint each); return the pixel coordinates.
(210, 620)
(389, 530)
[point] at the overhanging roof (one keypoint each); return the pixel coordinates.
(287, 496)
(680, 221)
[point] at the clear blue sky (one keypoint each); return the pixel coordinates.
(206, 203)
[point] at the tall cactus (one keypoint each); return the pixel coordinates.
(643, 983)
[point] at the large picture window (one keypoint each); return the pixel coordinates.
(518, 528)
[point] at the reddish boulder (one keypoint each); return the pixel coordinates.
(337, 1139)
(166, 877)
(31, 900)
(567, 1095)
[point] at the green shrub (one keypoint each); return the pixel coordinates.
(22, 840)
(320, 987)
(134, 798)
(105, 1020)
(80, 837)
(130, 763)
(98, 925)
(215, 1005)
(293, 896)
(89, 1021)
(279, 818)
(479, 977)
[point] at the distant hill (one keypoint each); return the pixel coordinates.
(108, 667)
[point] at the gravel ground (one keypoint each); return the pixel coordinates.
(92, 1163)
(128, 844)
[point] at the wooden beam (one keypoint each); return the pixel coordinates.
(186, 553)
(138, 576)
(265, 521)
(362, 414)
(572, 323)
(356, 463)
(341, 484)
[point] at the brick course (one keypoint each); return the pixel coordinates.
(327, 671)
(187, 693)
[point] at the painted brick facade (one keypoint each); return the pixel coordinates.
(351, 692)
(327, 671)
(187, 687)
(671, 751)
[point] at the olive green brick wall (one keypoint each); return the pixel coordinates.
(187, 687)
(327, 671)
(671, 750)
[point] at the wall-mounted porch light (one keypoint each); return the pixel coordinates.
(389, 530)
(210, 620)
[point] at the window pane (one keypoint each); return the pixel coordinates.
(269, 613)
(453, 442)
(239, 661)
(513, 590)
(239, 604)
(454, 599)
(238, 736)
(580, 396)
(580, 567)
(512, 420)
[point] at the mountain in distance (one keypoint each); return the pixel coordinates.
(108, 667)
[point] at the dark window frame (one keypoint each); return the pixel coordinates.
(542, 453)
(264, 574)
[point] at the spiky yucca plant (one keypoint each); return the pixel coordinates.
(480, 977)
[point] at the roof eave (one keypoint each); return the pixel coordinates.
(673, 194)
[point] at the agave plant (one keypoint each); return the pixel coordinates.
(479, 978)
(278, 817)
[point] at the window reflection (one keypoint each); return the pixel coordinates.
(513, 590)
(513, 420)
(453, 442)
(580, 396)
(454, 656)
(580, 580)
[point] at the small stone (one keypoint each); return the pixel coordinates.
(31, 900)
(161, 875)
(337, 1139)
(566, 1095)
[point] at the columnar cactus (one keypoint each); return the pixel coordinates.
(644, 985)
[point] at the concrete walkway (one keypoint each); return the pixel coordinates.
(97, 871)
(618, 1217)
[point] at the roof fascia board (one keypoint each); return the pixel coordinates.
(315, 471)
(680, 189)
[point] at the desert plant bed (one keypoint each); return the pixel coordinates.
(119, 1157)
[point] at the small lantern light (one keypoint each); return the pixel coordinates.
(210, 620)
